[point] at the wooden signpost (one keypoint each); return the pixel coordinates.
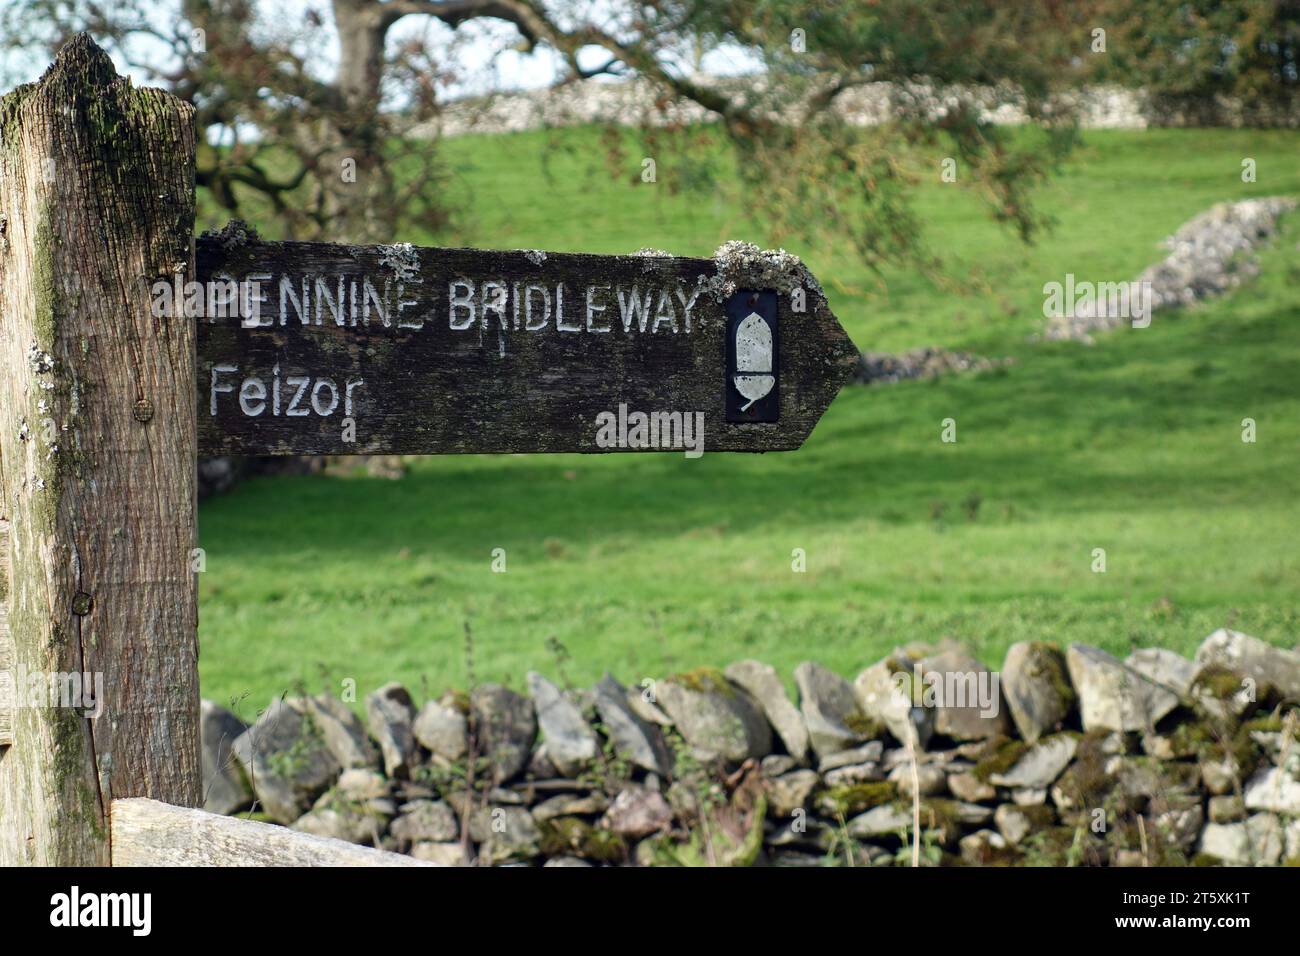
(97, 457)
(127, 350)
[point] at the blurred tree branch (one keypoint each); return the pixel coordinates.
(323, 143)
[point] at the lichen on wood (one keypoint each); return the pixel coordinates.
(745, 265)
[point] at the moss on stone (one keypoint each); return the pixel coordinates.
(1046, 660)
(1039, 815)
(936, 813)
(1085, 781)
(1191, 739)
(1208, 743)
(854, 798)
(1268, 724)
(456, 699)
(704, 680)
(1166, 774)
(866, 728)
(1243, 748)
(1213, 692)
(1217, 681)
(573, 836)
(1002, 755)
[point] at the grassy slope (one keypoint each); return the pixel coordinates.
(644, 565)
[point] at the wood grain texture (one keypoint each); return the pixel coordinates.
(7, 698)
(496, 386)
(97, 191)
(149, 833)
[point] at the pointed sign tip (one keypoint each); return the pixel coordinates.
(844, 352)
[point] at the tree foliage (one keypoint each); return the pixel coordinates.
(1189, 53)
(327, 148)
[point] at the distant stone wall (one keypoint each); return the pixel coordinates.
(1067, 757)
(639, 102)
(926, 362)
(1209, 256)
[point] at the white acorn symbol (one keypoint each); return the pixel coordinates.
(754, 356)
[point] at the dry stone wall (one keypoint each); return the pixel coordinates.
(1066, 756)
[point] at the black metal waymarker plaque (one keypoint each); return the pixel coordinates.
(753, 357)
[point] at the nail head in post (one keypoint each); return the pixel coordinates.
(143, 410)
(81, 603)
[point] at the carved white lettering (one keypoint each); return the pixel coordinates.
(302, 381)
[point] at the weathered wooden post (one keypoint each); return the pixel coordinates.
(97, 457)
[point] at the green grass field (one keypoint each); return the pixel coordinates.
(643, 565)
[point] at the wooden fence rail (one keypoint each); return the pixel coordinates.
(149, 833)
